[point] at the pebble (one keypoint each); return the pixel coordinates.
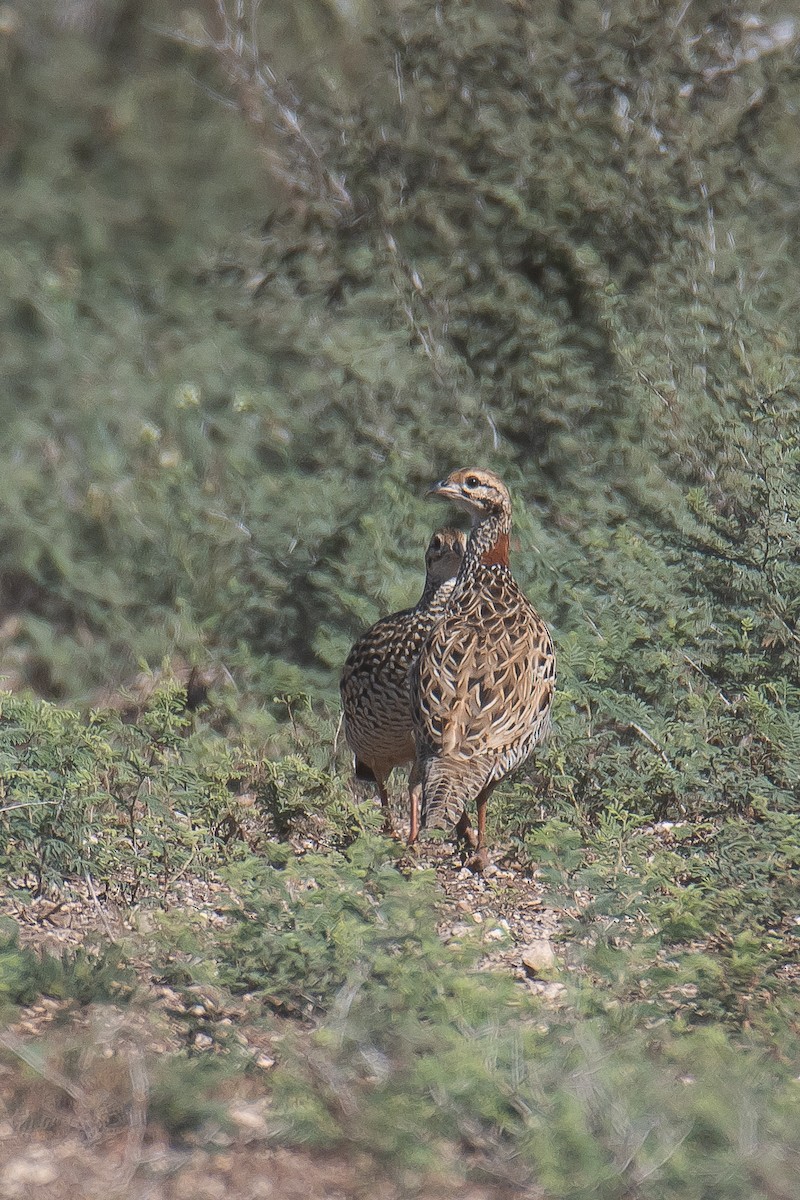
(249, 1117)
(548, 991)
(35, 1169)
(538, 955)
(212, 1187)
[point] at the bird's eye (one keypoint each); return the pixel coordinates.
(472, 481)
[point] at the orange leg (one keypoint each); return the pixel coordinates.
(414, 802)
(415, 797)
(480, 860)
(463, 831)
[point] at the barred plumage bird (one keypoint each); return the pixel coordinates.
(375, 680)
(483, 683)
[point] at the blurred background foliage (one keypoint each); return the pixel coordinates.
(263, 277)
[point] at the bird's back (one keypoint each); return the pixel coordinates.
(374, 685)
(375, 680)
(482, 690)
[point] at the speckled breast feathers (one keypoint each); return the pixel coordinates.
(483, 684)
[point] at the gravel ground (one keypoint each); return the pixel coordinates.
(54, 1149)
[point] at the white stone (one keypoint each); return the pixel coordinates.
(34, 1169)
(538, 955)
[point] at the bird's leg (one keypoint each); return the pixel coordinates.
(463, 831)
(480, 859)
(388, 824)
(414, 796)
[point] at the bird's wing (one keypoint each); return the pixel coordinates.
(485, 678)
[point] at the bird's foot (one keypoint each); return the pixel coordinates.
(480, 861)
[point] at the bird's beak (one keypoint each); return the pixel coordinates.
(444, 489)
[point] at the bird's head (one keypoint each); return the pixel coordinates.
(444, 554)
(474, 489)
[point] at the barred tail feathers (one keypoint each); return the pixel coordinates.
(446, 791)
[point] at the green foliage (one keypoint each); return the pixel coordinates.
(688, 921)
(633, 1115)
(132, 805)
(302, 927)
(139, 804)
(406, 1053)
(561, 243)
(83, 975)
(185, 1092)
(304, 792)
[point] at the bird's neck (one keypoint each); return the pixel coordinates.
(489, 541)
(428, 592)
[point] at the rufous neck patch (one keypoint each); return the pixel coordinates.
(498, 553)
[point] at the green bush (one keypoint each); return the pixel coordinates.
(561, 244)
(185, 1092)
(133, 805)
(84, 974)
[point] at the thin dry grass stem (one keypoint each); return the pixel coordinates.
(430, 333)
(137, 1113)
(33, 1059)
(651, 741)
(7, 808)
(337, 734)
(99, 908)
(269, 105)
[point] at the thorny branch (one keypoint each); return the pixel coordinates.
(269, 105)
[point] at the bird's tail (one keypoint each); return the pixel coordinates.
(446, 791)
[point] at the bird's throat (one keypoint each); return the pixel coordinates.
(497, 553)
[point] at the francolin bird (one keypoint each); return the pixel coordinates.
(483, 683)
(375, 681)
